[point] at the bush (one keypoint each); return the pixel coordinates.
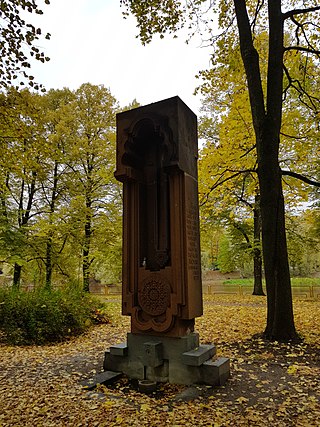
(44, 316)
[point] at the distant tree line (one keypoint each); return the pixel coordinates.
(60, 206)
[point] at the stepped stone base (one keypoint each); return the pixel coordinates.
(106, 377)
(166, 359)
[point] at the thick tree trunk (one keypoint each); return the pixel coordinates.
(257, 273)
(267, 124)
(257, 256)
(280, 322)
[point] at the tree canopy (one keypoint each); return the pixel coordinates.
(19, 42)
(60, 205)
(289, 27)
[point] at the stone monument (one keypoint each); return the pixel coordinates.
(161, 284)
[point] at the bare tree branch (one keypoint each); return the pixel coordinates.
(303, 49)
(221, 180)
(248, 151)
(294, 12)
(293, 136)
(259, 6)
(300, 177)
(296, 84)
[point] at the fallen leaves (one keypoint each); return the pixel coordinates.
(271, 384)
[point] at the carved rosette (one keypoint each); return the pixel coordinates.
(155, 305)
(154, 296)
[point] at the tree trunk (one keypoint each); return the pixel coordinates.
(23, 218)
(257, 256)
(48, 260)
(280, 322)
(257, 273)
(48, 263)
(86, 249)
(16, 276)
(86, 270)
(267, 124)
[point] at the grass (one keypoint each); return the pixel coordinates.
(295, 281)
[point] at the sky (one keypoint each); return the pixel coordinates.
(91, 42)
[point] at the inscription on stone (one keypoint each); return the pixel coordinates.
(192, 226)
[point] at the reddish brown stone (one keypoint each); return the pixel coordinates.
(157, 163)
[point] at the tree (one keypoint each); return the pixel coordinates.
(90, 156)
(18, 41)
(225, 260)
(228, 196)
(227, 162)
(304, 242)
(266, 100)
(229, 152)
(59, 202)
(266, 115)
(54, 189)
(22, 171)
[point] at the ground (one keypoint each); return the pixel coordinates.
(271, 384)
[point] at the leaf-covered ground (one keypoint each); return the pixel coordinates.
(271, 384)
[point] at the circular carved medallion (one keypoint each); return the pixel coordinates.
(154, 296)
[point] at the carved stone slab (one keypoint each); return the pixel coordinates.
(157, 163)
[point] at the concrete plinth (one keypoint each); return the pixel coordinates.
(179, 360)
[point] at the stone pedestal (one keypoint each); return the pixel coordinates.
(177, 360)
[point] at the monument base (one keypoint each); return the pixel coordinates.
(177, 360)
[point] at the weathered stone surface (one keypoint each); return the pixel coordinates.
(153, 354)
(159, 373)
(172, 348)
(199, 355)
(133, 367)
(215, 372)
(119, 349)
(157, 163)
(106, 377)
(180, 373)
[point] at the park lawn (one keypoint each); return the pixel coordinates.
(271, 384)
(295, 281)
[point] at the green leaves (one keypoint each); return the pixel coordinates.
(58, 196)
(17, 41)
(155, 17)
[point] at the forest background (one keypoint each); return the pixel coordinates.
(61, 207)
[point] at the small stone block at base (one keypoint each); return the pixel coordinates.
(158, 373)
(105, 377)
(216, 372)
(119, 349)
(153, 354)
(198, 356)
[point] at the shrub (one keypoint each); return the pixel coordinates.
(44, 316)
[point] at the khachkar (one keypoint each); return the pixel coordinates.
(161, 288)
